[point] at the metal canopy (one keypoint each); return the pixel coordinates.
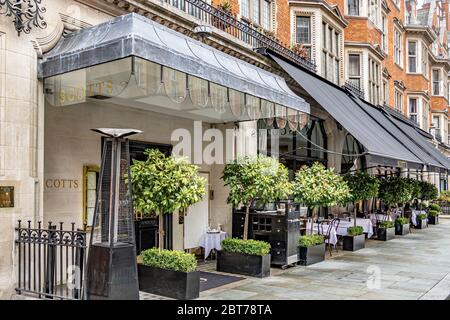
(377, 141)
(412, 143)
(134, 35)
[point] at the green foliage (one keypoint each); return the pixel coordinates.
(169, 260)
(385, 224)
(422, 216)
(355, 231)
(362, 186)
(311, 240)
(165, 184)
(255, 177)
(415, 188)
(317, 186)
(401, 221)
(435, 207)
(250, 247)
(444, 196)
(395, 190)
(433, 213)
(428, 191)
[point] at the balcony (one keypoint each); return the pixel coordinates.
(355, 88)
(241, 30)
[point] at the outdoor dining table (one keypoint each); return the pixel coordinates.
(366, 224)
(333, 234)
(212, 240)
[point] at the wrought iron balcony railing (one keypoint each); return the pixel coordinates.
(239, 29)
(356, 89)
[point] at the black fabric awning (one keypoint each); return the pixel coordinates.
(412, 143)
(378, 142)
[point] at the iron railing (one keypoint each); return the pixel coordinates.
(50, 261)
(239, 29)
(356, 89)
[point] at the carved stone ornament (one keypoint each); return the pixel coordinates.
(26, 13)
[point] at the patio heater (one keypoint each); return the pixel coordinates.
(111, 271)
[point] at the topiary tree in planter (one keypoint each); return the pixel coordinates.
(317, 186)
(395, 190)
(428, 191)
(255, 177)
(163, 184)
(362, 186)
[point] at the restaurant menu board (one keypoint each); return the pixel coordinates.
(6, 197)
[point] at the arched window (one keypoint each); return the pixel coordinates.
(351, 159)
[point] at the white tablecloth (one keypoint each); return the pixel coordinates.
(414, 216)
(365, 223)
(211, 241)
(333, 234)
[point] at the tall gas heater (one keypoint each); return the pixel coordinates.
(111, 271)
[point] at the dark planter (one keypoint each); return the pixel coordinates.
(386, 234)
(311, 255)
(433, 220)
(168, 283)
(421, 224)
(245, 264)
(353, 243)
(401, 229)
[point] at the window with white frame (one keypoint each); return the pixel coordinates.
(398, 101)
(425, 115)
(374, 81)
(436, 78)
(384, 35)
(354, 69)
(398, 47)
(373, 12)
(353, 7)
(436, 125)
(385, 92)
(330, 52)
(303, 32)
(412, 56)
(257, 11)
(413, 111)
(424, 60)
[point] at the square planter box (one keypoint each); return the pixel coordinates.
(386, 234)
(353, 243)
(311, 255)
(401, 229)
(169, 283)
(433, 220)
(421, 224)
(245, 264)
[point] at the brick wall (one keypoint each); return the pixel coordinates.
(283, 23)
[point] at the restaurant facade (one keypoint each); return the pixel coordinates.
(176, 74)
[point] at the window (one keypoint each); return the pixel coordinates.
(354, 69)
(436, 82)
(436, 125)
(424, 60)
(258, 11)
(412, 109)
(398, 101)
(374, 82)
(384, 34)
(353, 7)
(398, 47)
(425, 112)
(385, 92)
(266, 15)
(303, 32)
(330, 53)
(373, 11)
(412, 56)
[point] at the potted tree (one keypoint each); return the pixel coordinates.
(247, 257)
(362, 187)
(162, 185)
(393, 191)
(433, 213)
(252, 178)
(316, 187)
(428, 191)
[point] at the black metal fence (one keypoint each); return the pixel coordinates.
(50, 261)
(240, 29)
(445, 207)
